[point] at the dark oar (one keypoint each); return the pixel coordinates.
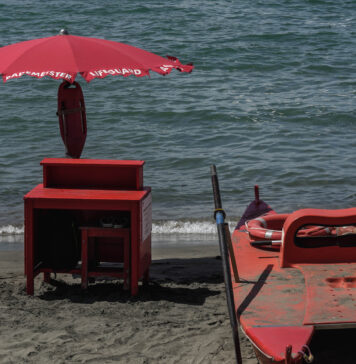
(266, 243)
(219, 216)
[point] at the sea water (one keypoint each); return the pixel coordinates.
(271, 101)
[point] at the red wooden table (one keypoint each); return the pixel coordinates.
(62, 204)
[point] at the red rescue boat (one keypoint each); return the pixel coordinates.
(296, 275)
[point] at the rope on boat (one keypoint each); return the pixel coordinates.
(307, 354)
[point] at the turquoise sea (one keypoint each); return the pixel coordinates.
(271, 101)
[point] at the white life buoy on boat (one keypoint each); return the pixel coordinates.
(269, 227)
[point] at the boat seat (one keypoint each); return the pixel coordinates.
(293, 254)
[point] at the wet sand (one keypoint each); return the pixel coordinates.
(180, 317)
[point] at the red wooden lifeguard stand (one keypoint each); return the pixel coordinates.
(89, 217)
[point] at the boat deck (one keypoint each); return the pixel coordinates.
(331, 294)
(306, 294)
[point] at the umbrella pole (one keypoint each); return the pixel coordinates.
(219, 216)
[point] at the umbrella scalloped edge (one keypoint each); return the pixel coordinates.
(102, 73)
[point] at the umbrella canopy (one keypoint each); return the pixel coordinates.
(64, 56)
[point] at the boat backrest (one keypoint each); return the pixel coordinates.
(321, 249)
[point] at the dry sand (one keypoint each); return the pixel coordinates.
(180, 317)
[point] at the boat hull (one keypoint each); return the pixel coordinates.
(280, 303)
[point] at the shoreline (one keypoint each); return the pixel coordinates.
(181, 316)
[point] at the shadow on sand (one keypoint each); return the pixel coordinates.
(187, 281)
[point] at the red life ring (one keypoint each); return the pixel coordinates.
(269, 227)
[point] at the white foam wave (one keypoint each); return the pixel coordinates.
(173, 227)
(186, 227)
(11, 230)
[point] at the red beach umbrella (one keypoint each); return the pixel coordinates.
(64, 56)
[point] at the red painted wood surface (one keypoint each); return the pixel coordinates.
(272, 340)
(92, 174)
(51, 210)
(292, 254)
(283, 296)
(82, 200)
(80, 196)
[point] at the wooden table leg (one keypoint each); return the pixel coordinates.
(126, 262)
(84, 259)
(30, 284)
(134, 250)
(29, 258)
(146, 276)
(46, 277)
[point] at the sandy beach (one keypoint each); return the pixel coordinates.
(180, 317)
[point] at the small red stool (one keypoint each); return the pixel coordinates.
(101, 232)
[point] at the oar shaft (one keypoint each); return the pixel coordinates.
(216, 189)
(231, 252)
(220, 216)
(266, 243)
